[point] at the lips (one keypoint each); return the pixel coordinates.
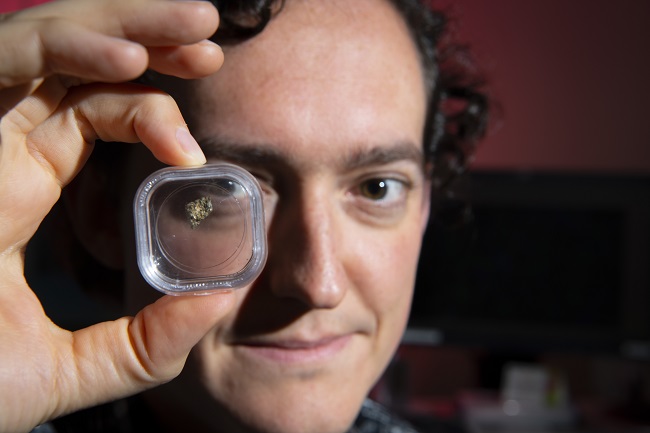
(296, 351)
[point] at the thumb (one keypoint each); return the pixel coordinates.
(129, 355)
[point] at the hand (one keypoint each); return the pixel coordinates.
(62, 86)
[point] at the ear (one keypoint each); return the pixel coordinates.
(93, 209)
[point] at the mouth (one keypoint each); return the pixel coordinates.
(296, 351)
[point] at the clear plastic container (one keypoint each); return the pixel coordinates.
(200, 230)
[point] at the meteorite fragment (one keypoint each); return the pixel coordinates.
(198, 210)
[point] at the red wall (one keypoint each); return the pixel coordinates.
(13, 5)
(573, 78)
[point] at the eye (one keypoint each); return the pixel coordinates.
(380, 200)
(382, 190)
(374, 189)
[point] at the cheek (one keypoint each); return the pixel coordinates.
(389, 262)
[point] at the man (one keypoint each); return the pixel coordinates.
(328, 106)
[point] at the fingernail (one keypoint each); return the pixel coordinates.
(189, 145)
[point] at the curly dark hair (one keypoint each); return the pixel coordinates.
(457, 109)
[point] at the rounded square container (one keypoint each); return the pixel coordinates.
(200, 230)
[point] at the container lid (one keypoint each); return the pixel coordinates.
(200, 230)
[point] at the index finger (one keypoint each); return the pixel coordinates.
(105, 41)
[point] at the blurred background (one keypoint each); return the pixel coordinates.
(532, 314)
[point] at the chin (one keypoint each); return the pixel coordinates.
(301, 417)
(309, 404)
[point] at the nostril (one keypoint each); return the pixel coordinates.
(310, 275)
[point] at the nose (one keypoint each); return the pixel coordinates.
(306, 257)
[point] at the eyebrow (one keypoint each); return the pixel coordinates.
(382, 155)
(260, 155)
(241, 153)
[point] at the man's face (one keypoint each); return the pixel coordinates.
(326, 108)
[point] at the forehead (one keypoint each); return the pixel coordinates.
(322, 74)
